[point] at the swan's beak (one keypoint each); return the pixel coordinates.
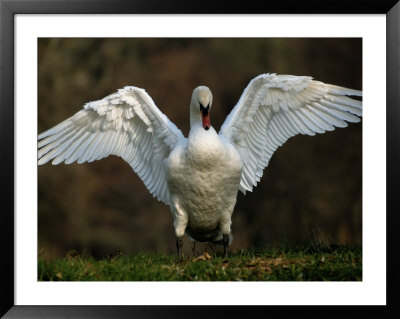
(205, 116)
(206, 121)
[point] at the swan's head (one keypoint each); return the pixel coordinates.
(200, 106)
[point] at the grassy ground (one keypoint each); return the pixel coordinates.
(334, 263)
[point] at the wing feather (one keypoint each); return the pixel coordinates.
(126, 124)
(274, 108)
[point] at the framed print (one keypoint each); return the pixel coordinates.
(57, 56)
(162, 69)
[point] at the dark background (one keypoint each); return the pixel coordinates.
(311, 190)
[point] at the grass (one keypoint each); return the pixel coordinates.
(333, 263)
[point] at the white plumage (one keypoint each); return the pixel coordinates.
(199, 176)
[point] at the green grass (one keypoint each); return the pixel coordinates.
(334, 263)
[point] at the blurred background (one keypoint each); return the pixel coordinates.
(311, 190)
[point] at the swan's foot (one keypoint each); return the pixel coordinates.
(179, 245)
(225, 241)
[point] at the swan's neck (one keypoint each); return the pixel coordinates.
(195, 116)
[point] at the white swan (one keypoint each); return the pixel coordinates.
(199, 176)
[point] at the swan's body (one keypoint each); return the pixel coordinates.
(199, 176)
(203, 177)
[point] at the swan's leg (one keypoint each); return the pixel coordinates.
(225, 227)
(194, 248)
(212, 247)
(225, 240)
(180, 222)
(179, 245)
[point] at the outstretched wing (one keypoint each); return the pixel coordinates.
(127, 124)
(275, 107)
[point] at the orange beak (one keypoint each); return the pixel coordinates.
(206, 121)
(205, 116)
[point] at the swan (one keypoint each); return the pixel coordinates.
(199, 176)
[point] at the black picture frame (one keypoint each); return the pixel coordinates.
(8, 10)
